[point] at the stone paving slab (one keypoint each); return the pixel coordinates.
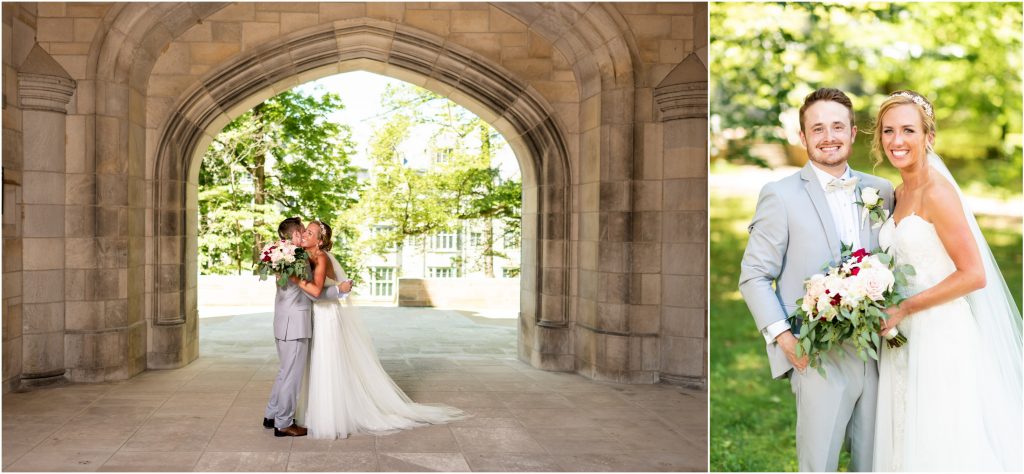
(205, 417)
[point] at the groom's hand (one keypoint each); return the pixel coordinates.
(787, 341)
(345, 286)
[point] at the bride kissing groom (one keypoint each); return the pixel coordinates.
(950, 398)
(330, 378)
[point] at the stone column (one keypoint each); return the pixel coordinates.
(44, 90)
(682, 103)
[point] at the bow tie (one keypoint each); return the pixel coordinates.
(845, 184)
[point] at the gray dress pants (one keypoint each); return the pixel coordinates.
(293, 355)
(834, 409)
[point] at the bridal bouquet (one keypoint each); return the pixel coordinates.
(285, 259)
(848, 302)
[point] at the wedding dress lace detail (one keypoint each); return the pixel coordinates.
(929, 408)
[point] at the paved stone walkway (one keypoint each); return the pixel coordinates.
(206, 417)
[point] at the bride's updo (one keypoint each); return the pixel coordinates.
(325, 241)
(905, 97)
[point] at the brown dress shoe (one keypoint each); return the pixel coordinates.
(293, 430)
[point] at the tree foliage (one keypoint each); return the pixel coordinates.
(461, 186)
(965, 57)
(403, 199)
(287, 158)
(283, 158)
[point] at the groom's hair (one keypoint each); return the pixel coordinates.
(829, 94)
(287, 226)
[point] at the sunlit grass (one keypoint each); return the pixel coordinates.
(753, 418)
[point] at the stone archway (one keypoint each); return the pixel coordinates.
(513, 108)
(584, 89)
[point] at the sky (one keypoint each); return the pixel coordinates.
(360, 92)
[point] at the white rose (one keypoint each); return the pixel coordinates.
(878, 277)
(869, 196)
(808, 304)
(872, 261)
(815, 285)
(874, 289)
(834, 285)
(276, 255)
(825, 309)
(854, 291)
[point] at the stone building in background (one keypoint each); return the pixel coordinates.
(107, 108)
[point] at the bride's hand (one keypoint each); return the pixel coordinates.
(895, 315)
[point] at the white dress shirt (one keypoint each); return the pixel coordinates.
(842, 204)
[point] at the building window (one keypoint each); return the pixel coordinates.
(443, 155)
(377, 230)
(441, 272)
(382, 281)
(511, 240)
(510, 272)
(444, 241)
(476, 239)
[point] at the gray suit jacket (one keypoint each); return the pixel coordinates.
(792, 236)
(292, 310)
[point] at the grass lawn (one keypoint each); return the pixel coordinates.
(753, 417)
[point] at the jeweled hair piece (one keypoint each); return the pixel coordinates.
(917, 100)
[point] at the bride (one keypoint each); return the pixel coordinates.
(346, 390)
(950, 398)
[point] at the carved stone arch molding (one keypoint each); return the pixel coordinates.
(514, 108)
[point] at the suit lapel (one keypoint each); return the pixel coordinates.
(817, 197)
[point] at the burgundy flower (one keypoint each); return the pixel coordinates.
(860, 254)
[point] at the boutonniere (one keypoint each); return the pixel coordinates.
(872, 204)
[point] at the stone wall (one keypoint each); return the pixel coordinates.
(18, 38)
(614, 247)
(460, 293)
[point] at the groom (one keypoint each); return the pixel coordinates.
(800, 223)
(292, 330)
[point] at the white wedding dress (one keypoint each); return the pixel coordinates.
(929, 415)
(951, 398)
(346, 390)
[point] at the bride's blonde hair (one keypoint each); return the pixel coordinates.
(325, 241)
(905, 97)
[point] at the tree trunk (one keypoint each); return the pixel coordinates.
(485, 151)
(259, 182)
(489, 248)
(238, 249)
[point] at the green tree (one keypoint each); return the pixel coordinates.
(480, 193)
(283, 158)
(405, 201)
(966, 57)
(470, 187)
